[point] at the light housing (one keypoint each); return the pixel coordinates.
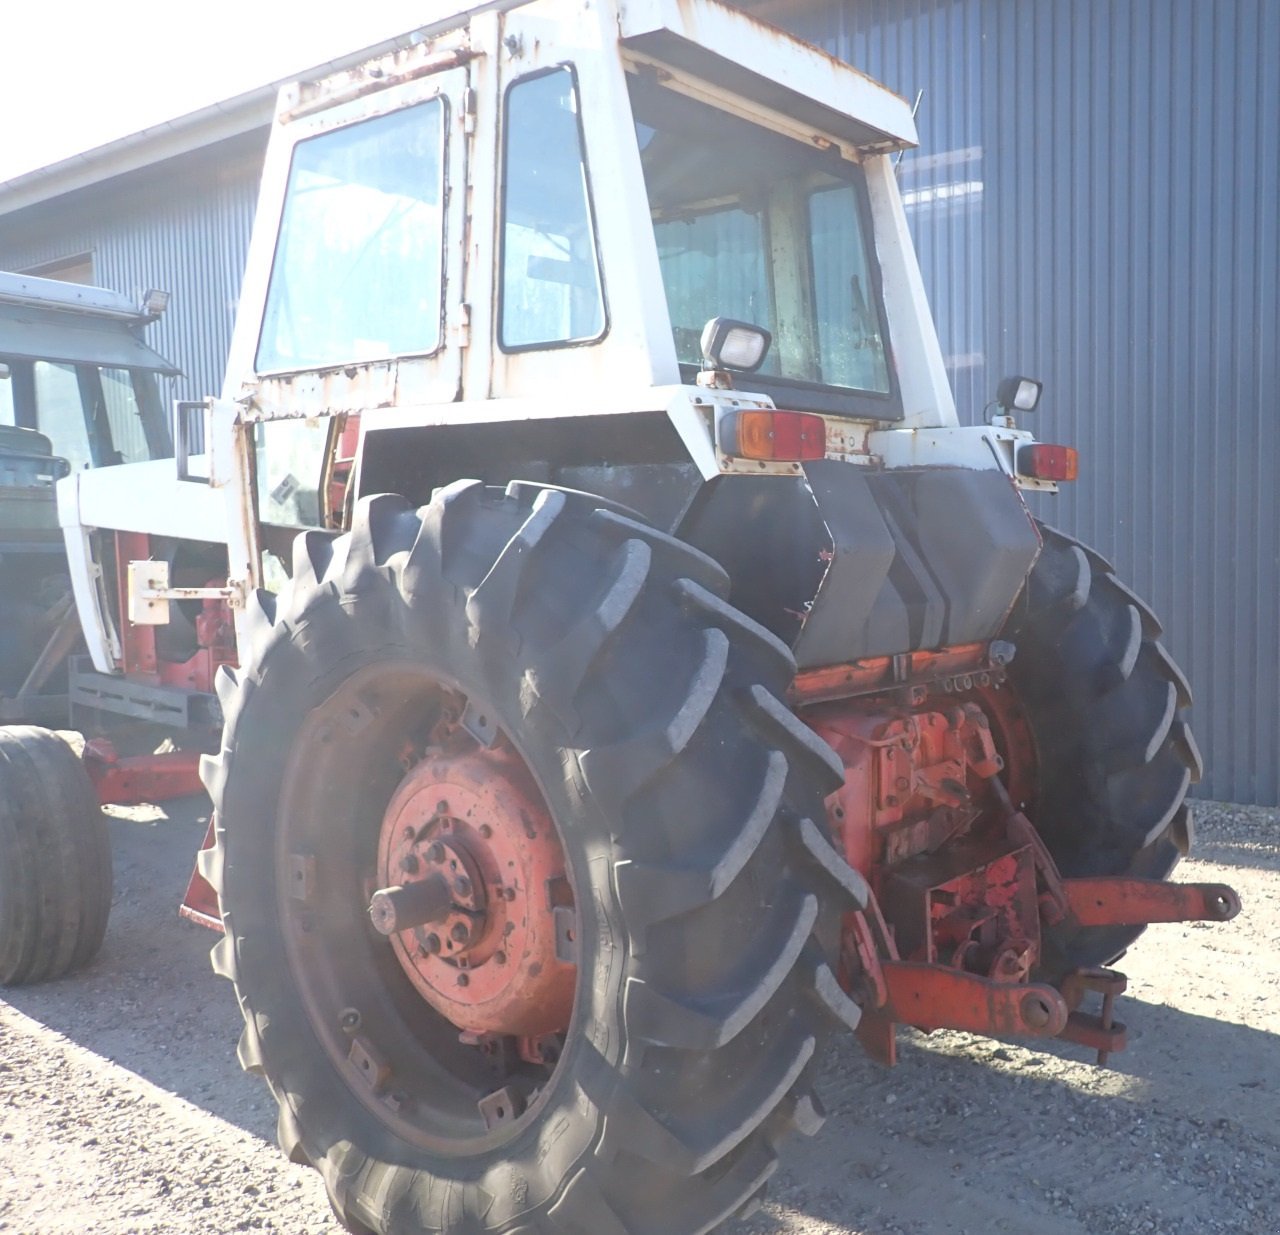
(155, 301)
(772, 436)
(1018, 394)
(730, 344)
(1044, 462)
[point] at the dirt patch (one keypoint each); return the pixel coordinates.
(123, 1111)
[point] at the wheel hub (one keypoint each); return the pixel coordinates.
(473, 895)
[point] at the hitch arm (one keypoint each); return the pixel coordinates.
(1117, 901)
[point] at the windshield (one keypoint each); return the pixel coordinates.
(751, 224)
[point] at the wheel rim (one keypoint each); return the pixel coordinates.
(426, 909)
(493, 953)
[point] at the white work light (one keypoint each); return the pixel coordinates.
(729, 344)
(1018, 394)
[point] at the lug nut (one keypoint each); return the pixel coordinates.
(409, 864)
(460, 933)
(433, 944)
(436, 853)
(462, 886)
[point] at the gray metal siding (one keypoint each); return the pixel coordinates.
(1124, 246)
(183, 227)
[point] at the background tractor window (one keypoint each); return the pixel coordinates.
(551, 290)
(357, 274)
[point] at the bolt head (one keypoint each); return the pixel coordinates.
(436, 853)
(463, 980)
(460, 933)
(432, 944)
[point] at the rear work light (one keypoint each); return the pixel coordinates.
(782, 437)
(1048, 462)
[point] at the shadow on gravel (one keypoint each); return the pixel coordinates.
(969, 1135)
(150, 1002)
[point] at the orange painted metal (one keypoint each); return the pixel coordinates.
(214, 626)
(936, 812)
(935, 997)
(200, 901)
(121, 781)
(1137, 902)
(879, 673)
(501, 959)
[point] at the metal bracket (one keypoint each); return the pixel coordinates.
(150, 593)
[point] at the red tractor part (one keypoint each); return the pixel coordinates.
(935, 759)
(128, 780)
(473, 894)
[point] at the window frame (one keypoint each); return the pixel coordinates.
(323, 130)
(516, 349)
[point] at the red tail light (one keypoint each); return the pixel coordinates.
(1048, 462)
(784, 437)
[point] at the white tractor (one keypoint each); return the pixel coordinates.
(639, 671)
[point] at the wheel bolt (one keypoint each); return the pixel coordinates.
(463, 980)
(462, 886)
(486, 831)
(499, 958)
(409, 864)
(436, 853)
(349, 1019)
(442, 807)
(433, 944)
(460, 933)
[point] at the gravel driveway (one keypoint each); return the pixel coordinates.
(123, 1111)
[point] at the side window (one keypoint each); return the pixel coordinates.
(290, 462)
(124, 416)
(850, 336)
(60, 413)
(551, 291)
(358, 266)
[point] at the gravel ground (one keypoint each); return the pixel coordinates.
(123, 1112)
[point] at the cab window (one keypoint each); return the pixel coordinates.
(551, 292)
(358, 267)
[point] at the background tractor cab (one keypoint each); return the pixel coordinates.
(79, 389)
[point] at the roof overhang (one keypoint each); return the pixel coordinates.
(74, 338)
(737, 52)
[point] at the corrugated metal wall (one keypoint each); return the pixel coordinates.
(1097, 203)
(183, 226)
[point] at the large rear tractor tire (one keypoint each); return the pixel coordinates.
(610, 1017)
(1104, 706)
(55, 859)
